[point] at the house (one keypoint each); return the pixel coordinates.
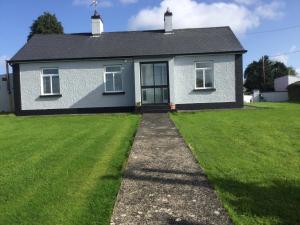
(183, 69)
(281, 83)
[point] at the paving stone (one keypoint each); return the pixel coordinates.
(163, 183)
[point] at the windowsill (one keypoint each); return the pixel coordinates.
(51, 96)
(204, 89)
(114, 93)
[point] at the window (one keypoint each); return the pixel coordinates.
(204, 75)
(113, 79)
(50, 82)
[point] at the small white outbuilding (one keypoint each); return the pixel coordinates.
(281, 83)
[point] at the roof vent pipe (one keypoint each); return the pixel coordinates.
(97, 24)
(168, 21)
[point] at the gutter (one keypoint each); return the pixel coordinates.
(124, 57)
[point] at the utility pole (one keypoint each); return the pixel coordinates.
(8, 78)
(9, 87)
(263, 68)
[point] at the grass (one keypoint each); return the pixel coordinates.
(252, 157)
(62, 169)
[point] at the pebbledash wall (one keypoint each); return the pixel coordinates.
(82, 84)
(185, 77)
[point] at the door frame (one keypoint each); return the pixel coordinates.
(153, 86)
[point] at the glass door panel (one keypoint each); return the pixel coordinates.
(160, 74)
(158, 96)
(147, 75)
(148, 96)
(161, 95)
(165, 95)
(154, 83)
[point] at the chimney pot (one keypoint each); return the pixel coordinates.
(97, 24)
(168, 21)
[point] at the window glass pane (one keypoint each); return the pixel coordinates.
(147, 74)
(165, 75)
(113, 69)
(55, 84)
(50, 71)
(199, 78)
(109, 82)
(144, 95)
(158, 95)
(148, 96)
(118, 82)
(46, 85)
(208, 78)
(165, 95)
(204, 65)
(160, 74)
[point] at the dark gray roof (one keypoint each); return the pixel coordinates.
(129, 44)
(296, 84)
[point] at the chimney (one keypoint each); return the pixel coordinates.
(168, 21)
(97, 24)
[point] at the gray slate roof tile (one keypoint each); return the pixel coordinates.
(129, 44)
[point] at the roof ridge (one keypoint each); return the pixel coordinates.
(137, 31)
(153, 30)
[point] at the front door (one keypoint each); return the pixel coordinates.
(154, 83)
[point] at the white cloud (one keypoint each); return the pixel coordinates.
(284, 58)
(128, 1)
(189, 13)
(103, 4)
(271, 10)
(246, 2)
(281, 58)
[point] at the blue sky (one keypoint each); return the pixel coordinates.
(246, 17)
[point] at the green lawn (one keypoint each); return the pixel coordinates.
(252, 157)
(62, 169)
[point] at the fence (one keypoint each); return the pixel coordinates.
(276, 96)
(282, 96)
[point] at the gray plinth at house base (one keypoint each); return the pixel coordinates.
(163, 183)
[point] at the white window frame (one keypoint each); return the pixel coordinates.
(204, 69)
(113, 73)
(50, 76)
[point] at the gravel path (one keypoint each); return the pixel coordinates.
(163, 183)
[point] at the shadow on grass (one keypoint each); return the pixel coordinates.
(271, 105)
(279, 200)
(294, 102)
(6, 113)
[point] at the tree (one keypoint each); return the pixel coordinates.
(261, 74)
(292, 71)
(46, 24)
